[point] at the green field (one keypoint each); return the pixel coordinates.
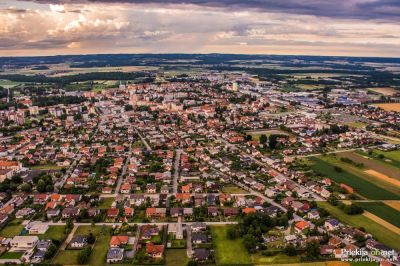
(11, 255)
(11, 230)
(176, 257)
(280, 259)
(232, 189)
(361, 186)
(378, 231)
(383, 211)
(105, 203)
(357, 124)
(7, 84)
(391, 158)
(67, 257)
(99, 253)
(228, 252)
(55, 232)
(45, 167)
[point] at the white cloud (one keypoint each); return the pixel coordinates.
(93, 28)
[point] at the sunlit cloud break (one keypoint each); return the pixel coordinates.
(352, 27)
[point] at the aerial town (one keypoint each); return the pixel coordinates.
(207, 167)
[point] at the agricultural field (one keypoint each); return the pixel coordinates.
(383, 211)
(309, 86)
(228, 251)
(384, 91)
(372, 164)
(354, 178)
(58, 70)
(7, 84)
(381, 233)
(389, 106)
(395, 204)
(390, 158)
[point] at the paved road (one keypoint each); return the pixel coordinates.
(189, 248)
(122, 175)
(139, 224)
(176, 170)
(60, 183)
(143, 140)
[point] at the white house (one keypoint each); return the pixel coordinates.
(24, 242)
(37, 228)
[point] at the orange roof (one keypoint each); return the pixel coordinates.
(128, 211)
(302, 225)
(51, 205)
(248, 210)
(154, 249)
(119, 240)
(182, 196)
(151, 210)
(8, 163)
(126, 186)
(112, 212)
(55, 197)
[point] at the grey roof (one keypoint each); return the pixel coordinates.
(201, 253)
(115, 253)
(43, 244)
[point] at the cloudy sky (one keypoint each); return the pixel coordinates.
(316, 27)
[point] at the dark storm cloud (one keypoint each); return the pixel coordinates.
(358, 9)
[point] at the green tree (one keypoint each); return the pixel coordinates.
(250, 243)
(290, 250)
(263, 139)
(84, 255)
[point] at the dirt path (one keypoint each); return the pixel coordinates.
(382, 222)
(69, 238)
(383, 177)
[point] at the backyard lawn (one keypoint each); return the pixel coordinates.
(106, 203)
(176, 257)
(228, 252)
(379, 232)
(55, 232)
(232, 189)
(11, 255)
(67, 257)
(99, 253)
(11, 230)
